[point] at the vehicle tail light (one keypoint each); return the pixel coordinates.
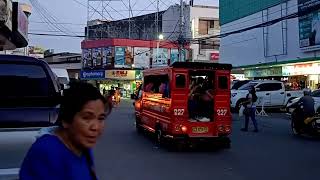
(184, 129)
(179, 128)
(224, 129)
(227, 129)
(221, 129)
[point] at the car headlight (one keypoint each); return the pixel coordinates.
(233, 94)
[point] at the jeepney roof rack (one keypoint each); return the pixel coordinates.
(202, 65)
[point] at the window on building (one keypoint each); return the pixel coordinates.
(203, 27)
(212, 24)
(208, 45)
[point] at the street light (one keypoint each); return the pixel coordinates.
(161, 37)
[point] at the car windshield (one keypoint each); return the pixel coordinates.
(248, 86)
(23, 81)
(239, 84)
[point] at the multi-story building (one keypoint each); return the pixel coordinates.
(199, 22)
(284, 43)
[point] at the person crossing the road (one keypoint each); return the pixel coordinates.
(250, 110)
(65, 152)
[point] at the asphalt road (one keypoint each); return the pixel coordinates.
(273, 153)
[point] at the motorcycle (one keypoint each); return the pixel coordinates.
(301, 124)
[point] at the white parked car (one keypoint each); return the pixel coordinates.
(316, 96)
(271, 94)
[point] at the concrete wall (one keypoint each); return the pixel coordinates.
(142, 27)
(256, 46)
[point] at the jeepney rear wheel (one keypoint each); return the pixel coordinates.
(225, 143)
(139, 128)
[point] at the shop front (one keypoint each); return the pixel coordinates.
(298, 75)
(124, 80)
(302, 76)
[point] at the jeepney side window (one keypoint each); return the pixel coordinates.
(180, 81)
(158, 84)
(223, 82)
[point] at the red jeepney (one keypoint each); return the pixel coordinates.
(187, 101)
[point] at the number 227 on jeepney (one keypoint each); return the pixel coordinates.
(186, 102)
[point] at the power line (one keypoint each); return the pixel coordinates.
(51, 20)
(56, 35)
(62, 23)
(265, 24)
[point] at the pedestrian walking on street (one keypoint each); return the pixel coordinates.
(64, 152)
(250, 110)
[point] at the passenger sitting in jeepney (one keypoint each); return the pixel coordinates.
(149, 87)
(200, 102)
(164, 89)
(194, 98)
(207, 99)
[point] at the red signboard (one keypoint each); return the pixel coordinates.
(214, 56)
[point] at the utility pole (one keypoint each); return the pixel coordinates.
(88, 12)
(181, 36)
(157, 20)
(129, 19)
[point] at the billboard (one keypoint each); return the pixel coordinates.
(97, 57)
(128, 57)
(107, 56)
(160, 57)
(87, 57)
(36, 52)
(142, 57)
(174, 55)
(119, 59)
(123, 57)
(309, 24)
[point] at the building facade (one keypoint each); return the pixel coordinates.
(118, 63)
(284, 45)
(199, 22)
(69, 61)
(13, 25)
(140, 27)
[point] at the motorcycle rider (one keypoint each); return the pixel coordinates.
(308, 104)
(305, 110)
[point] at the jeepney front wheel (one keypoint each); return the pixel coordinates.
(225, 142)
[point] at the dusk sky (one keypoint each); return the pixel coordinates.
(69, 17)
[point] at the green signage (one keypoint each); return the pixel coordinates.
(252, 73)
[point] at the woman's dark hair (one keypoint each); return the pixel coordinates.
(74, 98)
